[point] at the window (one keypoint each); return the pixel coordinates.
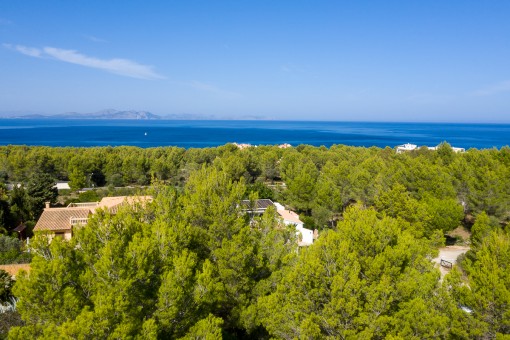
(60, 234)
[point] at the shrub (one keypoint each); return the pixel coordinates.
(6, 283)
(11, 251)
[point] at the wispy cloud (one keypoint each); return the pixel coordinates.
(94, 39)
(123, 67)
(297, 70)
(5, 21)
(32, 52)
(214, 90)
(497, 88)
(291, 68)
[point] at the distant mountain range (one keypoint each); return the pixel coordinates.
(112, 114)
(104, 114)
(108, 114)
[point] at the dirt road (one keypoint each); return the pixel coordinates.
(450, 254)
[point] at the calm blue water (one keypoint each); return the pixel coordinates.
(199, 133)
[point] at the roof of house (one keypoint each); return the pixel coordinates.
(259, 204)
(20, 227)
(62, 185)
(289, 216)
(113, 203)
(60, 218)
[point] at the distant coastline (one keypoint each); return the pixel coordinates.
(135, 115)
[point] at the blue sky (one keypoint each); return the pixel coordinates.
(307, 60)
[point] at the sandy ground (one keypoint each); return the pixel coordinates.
(462, 232)
(450, 254)
(13, 269)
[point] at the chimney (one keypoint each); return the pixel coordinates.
(47, 205)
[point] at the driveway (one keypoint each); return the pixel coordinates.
(450, 254)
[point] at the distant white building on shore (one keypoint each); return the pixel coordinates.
(242, 146)
(406, 147)
(454, 149)
(410, 147)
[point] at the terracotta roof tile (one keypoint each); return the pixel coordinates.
(290, 216)
(60, 218)
(113, 203)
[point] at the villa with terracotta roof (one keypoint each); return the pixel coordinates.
(60, 222)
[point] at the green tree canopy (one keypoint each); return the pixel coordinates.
(40, 189)
(358, 281)
(487, 290)
(186, 265)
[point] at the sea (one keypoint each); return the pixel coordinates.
(211, 133)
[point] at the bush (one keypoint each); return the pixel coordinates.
(116, 180)
(11, 251)
(6, 283)
(8, 319)
(263, 191)
(89, 196)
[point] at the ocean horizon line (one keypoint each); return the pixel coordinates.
(224, 119)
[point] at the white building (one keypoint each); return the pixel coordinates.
(291, 218)
(406, 147)
(410, 147)
(62, 186)
(454, 149)
(242, 146)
